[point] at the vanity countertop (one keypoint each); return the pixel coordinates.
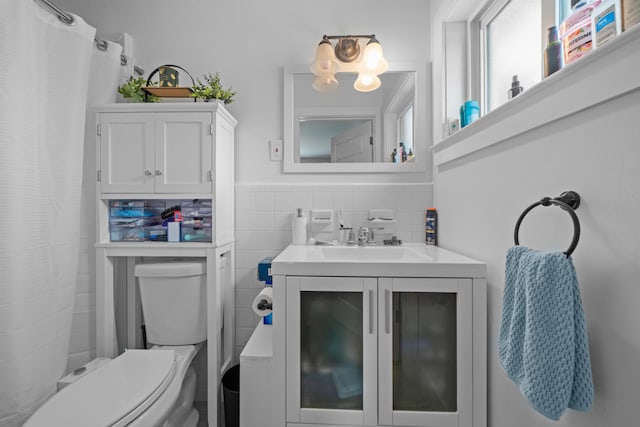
(407, 260)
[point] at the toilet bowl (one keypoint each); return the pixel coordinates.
(144, 388)
(140, 388)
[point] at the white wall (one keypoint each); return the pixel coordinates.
(259, 38)
(249, 42)
(165, 31)
(480, 197)
(596, 153)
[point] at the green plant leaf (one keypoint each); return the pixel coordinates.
(212, 88)
(132, 89)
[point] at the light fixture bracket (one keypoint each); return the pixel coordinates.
(347, 47)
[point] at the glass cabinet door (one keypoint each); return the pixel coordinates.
(331, 358)
(425, 351)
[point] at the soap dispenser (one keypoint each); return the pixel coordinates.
(299, 228)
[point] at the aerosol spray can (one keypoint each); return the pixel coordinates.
(431, 223)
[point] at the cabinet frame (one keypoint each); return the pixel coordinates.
(377, 294)
(158, 152)
(112, 146)
(219, 130)
(165, 182)
(368, 287)
(464, 339)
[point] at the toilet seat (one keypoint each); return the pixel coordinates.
(114, 395)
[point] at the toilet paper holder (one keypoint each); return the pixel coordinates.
(264, 305)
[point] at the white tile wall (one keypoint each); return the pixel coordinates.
(263, 225)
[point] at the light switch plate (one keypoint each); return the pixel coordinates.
(275, 150)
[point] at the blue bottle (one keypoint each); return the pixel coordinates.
(469, 113)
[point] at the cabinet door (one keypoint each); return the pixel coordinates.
(331, 350)
(183, 153)
(425, 358)
(126, 153)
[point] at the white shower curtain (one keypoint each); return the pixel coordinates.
(44, 69)
(105, 69)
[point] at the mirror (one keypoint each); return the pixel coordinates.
(349, 131)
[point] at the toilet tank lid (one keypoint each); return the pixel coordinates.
(170, 269)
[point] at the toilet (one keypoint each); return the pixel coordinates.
(144, 388)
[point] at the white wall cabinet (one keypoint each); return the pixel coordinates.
(166, 152)
(379, 351)
(170, 151)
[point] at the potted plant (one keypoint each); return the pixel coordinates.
(132, 90)
(212, 89)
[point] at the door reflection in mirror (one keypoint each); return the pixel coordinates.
(347, 126)
(336, 140)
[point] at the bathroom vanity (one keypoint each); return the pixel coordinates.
(378, 336)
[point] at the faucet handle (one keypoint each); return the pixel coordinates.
(351, 240)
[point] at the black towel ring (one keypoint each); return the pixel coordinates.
(569, 200)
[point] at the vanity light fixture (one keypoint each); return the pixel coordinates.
(348, 56)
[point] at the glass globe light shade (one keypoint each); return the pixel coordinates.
(367, 82)
(373, 61)
(325, 62)
(325, 83)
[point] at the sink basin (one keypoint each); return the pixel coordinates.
(407, 260)
(371, 254)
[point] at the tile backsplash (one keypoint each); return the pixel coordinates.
(263, 225)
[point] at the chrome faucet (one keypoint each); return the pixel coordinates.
(366, 236)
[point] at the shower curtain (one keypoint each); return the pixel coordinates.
(44, 75)
(106, 69)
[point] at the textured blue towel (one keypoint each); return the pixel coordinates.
(543, 343)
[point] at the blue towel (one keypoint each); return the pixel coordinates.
(543, 344)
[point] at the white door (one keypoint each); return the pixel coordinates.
(355, 145)
(126, 153)
(331, 350)
(183, 152)
(425, 359)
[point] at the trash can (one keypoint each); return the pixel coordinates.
(231, 395)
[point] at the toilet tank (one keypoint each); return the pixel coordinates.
(174, 301)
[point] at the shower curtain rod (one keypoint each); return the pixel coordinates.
(101, 44)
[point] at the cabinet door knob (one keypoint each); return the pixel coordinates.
(147, 173)
(158, 172)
